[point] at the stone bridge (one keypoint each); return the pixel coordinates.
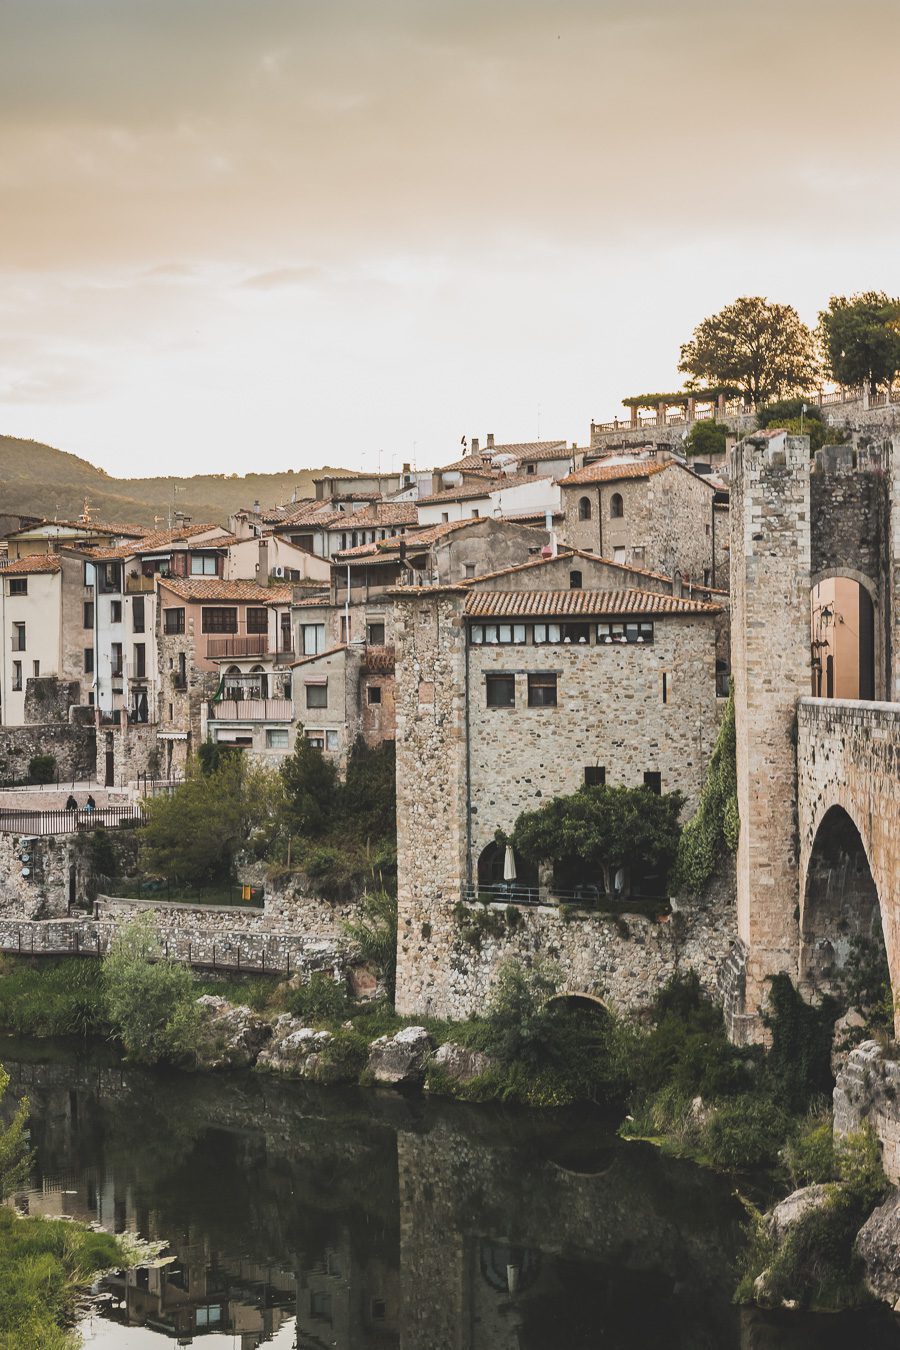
(848, 799)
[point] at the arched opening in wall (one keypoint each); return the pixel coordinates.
(842, 949)
(842, 619)
(494, 868)
(584, 508)
(616, 506)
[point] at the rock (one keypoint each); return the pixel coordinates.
(878, 1243)
(300, 1052)
(401, 1058)
(231, 1035)
(795, 1207)
(868, 1092)
(848, 1032)
(363, 981)
(460, 1063)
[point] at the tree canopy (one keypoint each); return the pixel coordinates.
(763, 348)
(602, 829)
(706, 439)
(860, 336)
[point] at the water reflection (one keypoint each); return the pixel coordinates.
(366, 1221)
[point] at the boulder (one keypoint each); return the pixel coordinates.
(878, 1243)
(848, 1032)
(459, 1062)
(400, 1059)
(300, 1051)
(231, 1035)
(794, 1207)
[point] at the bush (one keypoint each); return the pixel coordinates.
(375, 933)
(713, 831)
(706, 439)
(798, 1064)
(42, 768)
(60, 997)
(150, 1001)
(321, 1000)
(745, 1133)
(809, 1154)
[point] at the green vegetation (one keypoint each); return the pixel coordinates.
(705, 440)
(761, 347)
(713, 830)
(375, 933)
(55, 996)
(860, 336)
(42, 769)
(598, 831)
(150, 1002)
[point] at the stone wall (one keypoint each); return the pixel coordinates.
(48, 699)
(136, 750)
(867, 1092)
(771, 668)
(73, 747)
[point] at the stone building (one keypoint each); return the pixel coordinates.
(506, 697)
(652, 512)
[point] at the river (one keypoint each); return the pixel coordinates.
(304, 1217)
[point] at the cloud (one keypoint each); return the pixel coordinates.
(281, 277)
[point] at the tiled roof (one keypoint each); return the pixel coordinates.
(155, 540)
(575, 553)
(91, 526)
(313, 517)
(480, 462)
(523, 604)
(379, 513)
(38, 562)
(305, 660)
(384, 549)
(496, 484)
(604, 472)
(214, 588)
(536, 450)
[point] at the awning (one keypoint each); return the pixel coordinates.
(318, 679)
(171, 735)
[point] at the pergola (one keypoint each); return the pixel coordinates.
(684, 400)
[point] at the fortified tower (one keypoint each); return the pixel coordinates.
(771, 663)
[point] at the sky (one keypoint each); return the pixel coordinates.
(269, 234)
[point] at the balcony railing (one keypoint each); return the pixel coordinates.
(137, 670)
(238, 644)
(140, 585)
(252, 710)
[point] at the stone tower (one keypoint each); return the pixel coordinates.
(771, 663)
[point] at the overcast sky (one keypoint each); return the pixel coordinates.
(263, 234)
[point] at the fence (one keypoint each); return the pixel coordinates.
(36, 822)
(236, 894)
(584, 897)
(153, 787)
(258, 953)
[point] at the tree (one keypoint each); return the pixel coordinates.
(765, 349)
(605, 829)
(150, 1001)
(860, 336)
(706, 439)
(15, 1155)
(194, 836)
(310, 783)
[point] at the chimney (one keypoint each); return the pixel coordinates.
(474, 449)
(256, 508)
(263, 569)
(490, 440)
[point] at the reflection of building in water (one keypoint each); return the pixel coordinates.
(89, 1196)
(348, 1302)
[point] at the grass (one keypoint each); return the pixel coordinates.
(42, 1264)
(52, 996)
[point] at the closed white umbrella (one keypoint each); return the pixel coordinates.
(509, 864)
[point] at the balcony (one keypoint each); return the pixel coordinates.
(137, 671)
(140, 585)
(379, 660)
(237, 645)
(252, 710)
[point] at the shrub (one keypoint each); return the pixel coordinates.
(713, 831)
(745, 1133)
(798, 1064)
(809, 1154)
(322, 999)
(61, 997)
(375, 933)
(518, 1015)
(706, 439)
(42, 768)
(149, 1001)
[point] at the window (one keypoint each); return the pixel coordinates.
(303, 541)
(18, 637)
(653, 781)
(665, 686)
(373, 693)
(378, 1310)
(445, 516)
(575, 580)
(316, 739)
(204, 565)
(584, 508)
(317, 696)
(221, 619)
(618, 555)
(87, 619)
(90, 574)
(501, 691)
(18, 585)
(616, 506)
(277, 738)
(625, 632)
(312, 638)
(88, 660)
(594, 775)
(542, 691)
(140, 660)
(209, 1316)
(469, 570)
(492, 634)
(346, 627)
(531, 468)
(137, 614)
(331, 740)
(475, 512)
(257, 621)
(111, 577)
(17, 676)
(173, 621)
(547, 632)
(36, 668)
(576, 632)
(116, 658)
(320, 1305)
(375, 633)
(115, 611)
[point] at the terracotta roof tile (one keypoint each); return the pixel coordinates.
(38, 562)
(154, 540)
(537, 604)
(604, 472)
(214, 588)
(498, 483)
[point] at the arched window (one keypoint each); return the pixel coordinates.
(616, 506)
(584, 508)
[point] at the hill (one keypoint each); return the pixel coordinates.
(38, 480)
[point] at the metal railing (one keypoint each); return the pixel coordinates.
(150, 786)
(239, 644)
(37, 822)
(252, 710)
(583, 897)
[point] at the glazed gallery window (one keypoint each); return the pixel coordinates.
(500, 691)
(222, 619)
(625, 632)
(493, 634)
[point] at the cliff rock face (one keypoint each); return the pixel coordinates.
(878, 1244)
(232, 1036)
(868, 1091)
(395, 1060)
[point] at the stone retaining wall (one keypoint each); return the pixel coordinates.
(73, 747)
